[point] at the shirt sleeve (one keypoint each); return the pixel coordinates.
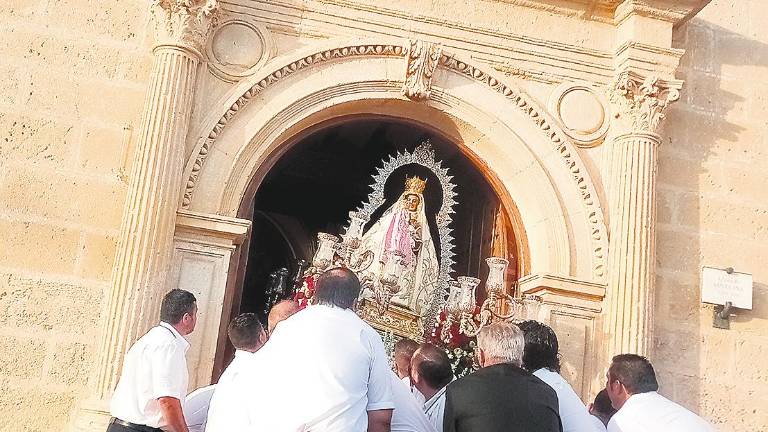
(379, 381)
(168, 372)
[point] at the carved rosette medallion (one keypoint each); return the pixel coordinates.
(421, 62)
(184, 23)
(639, 103)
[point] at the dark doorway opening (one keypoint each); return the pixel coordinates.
(315, 184)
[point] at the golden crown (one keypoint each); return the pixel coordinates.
(414, 185)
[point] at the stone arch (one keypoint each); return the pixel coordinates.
(528, 158)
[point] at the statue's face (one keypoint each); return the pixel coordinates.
(412, 202)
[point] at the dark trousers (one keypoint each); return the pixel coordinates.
(117, 427)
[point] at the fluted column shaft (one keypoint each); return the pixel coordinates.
(639, 104)
(632, 249)
(149, 217)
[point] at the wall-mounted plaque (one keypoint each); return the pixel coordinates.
(719, 286)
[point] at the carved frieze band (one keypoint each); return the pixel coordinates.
(423, 58)
(561, 143)
(184, 23)
(639, 102)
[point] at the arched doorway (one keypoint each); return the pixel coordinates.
(327, 172)
(535, 171)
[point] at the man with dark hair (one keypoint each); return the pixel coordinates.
(153, 383)
(631, 385)
(601, 409)
(542, 359)
(280, 312)
(404, 349)
(500, 397)
(230, 398)
(325, 368)
(430, 374)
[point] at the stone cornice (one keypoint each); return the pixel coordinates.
(674, 11)
(639, 102)
(183, 23)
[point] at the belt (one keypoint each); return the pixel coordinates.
(134, 426)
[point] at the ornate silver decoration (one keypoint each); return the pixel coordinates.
(422, 60)
(423, 155)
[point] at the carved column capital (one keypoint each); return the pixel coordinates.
(421, 63)
(639, 102)
(184, 23)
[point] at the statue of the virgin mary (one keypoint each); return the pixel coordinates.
(401, 239)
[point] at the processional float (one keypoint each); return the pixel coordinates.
(408, 291)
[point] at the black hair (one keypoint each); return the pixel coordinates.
(602, 404)
(244, 331)
(176, 303)
(634, 372)
(541, 347)
(337, 287)
(433, 366)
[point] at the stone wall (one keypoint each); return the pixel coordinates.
(72, 84)
(713, 211)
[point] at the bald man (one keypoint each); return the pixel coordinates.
(430, 374)
(279, 312)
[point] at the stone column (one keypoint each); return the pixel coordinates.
(638, 105)
(146, 242)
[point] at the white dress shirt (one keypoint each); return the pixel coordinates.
(321, 370)
(652, 412)
(408, 415)
(573, 413)
(154, 367)
(196, 408)
(229, 405)
(435, 408)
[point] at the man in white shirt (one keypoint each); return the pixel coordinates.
(408, 416)
(430, 375)
(324, 369)
(229, 404)
(153, 383)
(632, 388)
(541, 358)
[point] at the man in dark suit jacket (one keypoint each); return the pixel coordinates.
(501, 397)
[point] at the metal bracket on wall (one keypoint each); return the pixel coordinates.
(721, 318)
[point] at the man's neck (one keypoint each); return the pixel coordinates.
(428, 392)
(178, 328)
(494, 362)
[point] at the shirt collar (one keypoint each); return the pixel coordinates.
(176, 335)
(433, 400)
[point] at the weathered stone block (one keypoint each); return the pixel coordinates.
(21, 357)
(98, 256)
(37, 247)
(71, 363)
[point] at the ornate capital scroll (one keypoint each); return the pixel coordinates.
(639, 103)
(184, 23)
(422, 60)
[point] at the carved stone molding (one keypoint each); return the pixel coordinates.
(558, 139)
(639, 102)
(184, 23)
(422, 61)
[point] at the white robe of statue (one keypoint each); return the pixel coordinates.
(403, 229)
